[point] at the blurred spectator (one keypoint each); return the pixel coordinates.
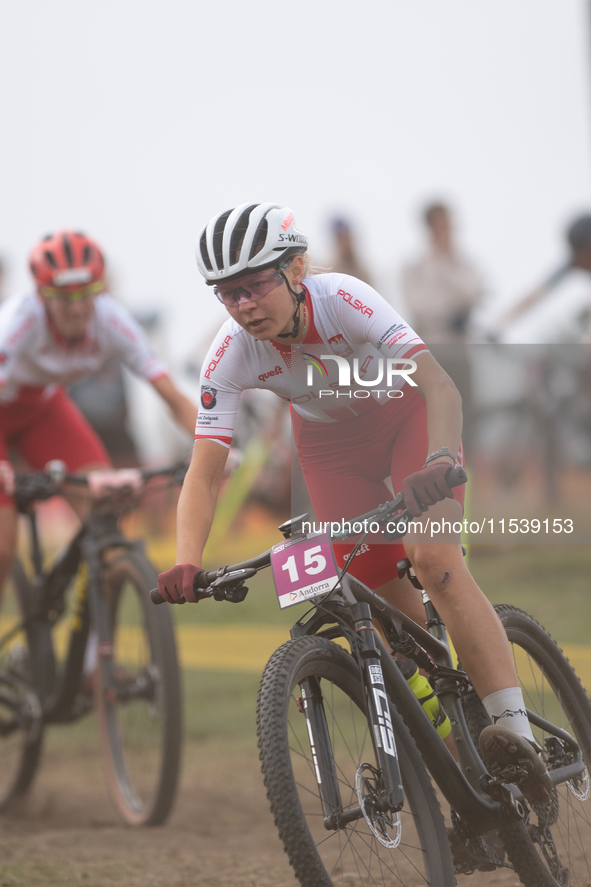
(345, 256)
(559, 309)
(441, 287)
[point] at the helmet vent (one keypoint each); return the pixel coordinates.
(50, 258)
(259, 238)
(68, 251)
(238, 233)
(218, 238)
(86, 255)
(203, 251)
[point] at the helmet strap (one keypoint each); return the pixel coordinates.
(300, 299)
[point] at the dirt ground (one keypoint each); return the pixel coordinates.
(220, 834)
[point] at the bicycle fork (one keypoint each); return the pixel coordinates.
(378, 709)
(381, 788)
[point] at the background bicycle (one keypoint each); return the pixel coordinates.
(109, 650)
(322, 744)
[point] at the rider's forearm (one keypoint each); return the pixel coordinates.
(444, 406)
(185, 413)
(444, 419)
(194, 519)
(521, 307)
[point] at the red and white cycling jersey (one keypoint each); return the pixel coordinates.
(348, 319)
(34, 355)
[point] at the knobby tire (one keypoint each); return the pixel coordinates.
(350, 855)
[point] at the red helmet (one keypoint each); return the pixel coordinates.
(66, 261)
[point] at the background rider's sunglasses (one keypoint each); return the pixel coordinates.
(250, 288)
(56, 292)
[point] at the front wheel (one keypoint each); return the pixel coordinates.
(138, 694)
(376, 848)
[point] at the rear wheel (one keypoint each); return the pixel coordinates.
(376, 848)
(138, 701)
(21, 666)
(553, 846)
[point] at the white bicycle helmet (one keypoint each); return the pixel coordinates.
(252, 236)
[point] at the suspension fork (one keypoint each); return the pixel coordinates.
(378, 707)
(380, 723)
(103, 534)
(99, 616)
(321, 748)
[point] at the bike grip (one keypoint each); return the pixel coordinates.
(157, 598)
(455, 476)
(202, 579)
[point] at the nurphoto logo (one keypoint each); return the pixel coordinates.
(389, 367)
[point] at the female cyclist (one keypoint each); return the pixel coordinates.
(284, 320)
(65, 329)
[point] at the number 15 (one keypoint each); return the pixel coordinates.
(314, 561)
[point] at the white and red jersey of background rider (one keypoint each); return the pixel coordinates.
(33, 354)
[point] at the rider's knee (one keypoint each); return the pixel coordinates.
(436, 567)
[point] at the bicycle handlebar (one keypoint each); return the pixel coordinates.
(454, 477)
(37, 486)
(218, 579)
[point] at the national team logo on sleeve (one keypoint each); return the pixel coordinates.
(340, 345)
(208, 397)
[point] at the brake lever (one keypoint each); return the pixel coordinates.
(221, 588)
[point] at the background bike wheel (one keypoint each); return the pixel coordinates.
(140, 723)
(21, 663)
(554, 846)
(351, 855)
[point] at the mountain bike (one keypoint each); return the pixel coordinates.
(120, 654)
(345, 745)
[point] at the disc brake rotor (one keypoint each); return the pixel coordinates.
(384, 825)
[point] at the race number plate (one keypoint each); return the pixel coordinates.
(303, 568)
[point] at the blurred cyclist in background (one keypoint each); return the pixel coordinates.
(65, 329)
(559, 309)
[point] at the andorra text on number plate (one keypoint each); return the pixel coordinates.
(303, 568)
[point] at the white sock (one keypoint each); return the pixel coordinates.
(507, 709)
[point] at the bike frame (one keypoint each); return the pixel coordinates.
(463, 787)
(350, 609)
(58, 689)
(480, 802)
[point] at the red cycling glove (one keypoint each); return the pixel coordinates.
(425, 488)
(179, 581)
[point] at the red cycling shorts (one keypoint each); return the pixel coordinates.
(345, 464)
(44, 424)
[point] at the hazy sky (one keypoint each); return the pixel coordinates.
(136, 120)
